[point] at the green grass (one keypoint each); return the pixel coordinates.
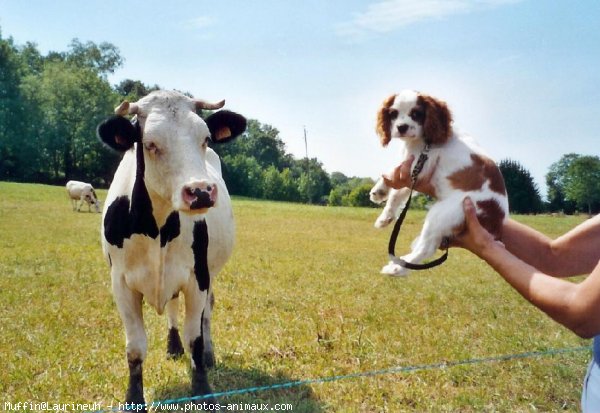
(301, 298)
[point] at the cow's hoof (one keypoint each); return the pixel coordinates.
(200, 387)
(174, 346)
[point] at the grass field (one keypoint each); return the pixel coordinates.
(301, 298)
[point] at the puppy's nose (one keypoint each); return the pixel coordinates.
(402, 129)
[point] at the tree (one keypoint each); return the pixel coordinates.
(103, 58)
(314, 185)
(272, 183)
(49, 108)
(134, 90)
(291, 193)
(348, 191)
(71, 101)
(336, 196)
(556, 180)
(523, 193)
(261, 142)
(243, 175)
(338, 179)
(359, 196)
(582, 183)
(12, 110)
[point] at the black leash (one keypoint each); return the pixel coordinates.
(394, 236)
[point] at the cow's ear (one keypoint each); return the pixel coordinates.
(119, 133)
(225, 125)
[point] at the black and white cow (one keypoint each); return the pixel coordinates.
(167, 223)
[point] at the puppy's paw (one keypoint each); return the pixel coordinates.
(379, 193)
(385, 219)
(395, 270)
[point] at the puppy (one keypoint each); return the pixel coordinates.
(456, 168)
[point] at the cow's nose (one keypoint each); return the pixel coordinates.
(199, 195)
(402, 129)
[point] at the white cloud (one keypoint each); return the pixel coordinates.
(201, 22)
(388, 15)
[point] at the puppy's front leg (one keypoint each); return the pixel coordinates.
(397, 199)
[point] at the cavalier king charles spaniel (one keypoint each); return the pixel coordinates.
(456, 168)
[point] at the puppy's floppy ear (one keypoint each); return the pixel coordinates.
(384, 121)
(437, 127)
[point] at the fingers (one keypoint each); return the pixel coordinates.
(469, 209)
(471, 223)
(400, 176)
(405, 167)
(471, 219)
(387, 180)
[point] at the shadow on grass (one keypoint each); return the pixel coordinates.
(299, 399)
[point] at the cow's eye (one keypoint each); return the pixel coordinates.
(206, 140)
(151, 147)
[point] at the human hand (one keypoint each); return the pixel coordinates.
(473, 237)
(401, 177)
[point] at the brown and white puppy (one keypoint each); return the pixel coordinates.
(456, 168)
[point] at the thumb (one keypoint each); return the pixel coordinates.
(470, 213)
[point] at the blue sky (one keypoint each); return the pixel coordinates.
(521, 76)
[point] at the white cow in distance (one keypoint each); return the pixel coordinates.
(80, 192)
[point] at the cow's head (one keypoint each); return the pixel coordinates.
(171, 142)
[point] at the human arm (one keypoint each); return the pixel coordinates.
(576, 306)
(574, 253)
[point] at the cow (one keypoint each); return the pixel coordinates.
(81, 191)
(167, 223)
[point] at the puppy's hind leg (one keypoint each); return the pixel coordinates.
(440, 221)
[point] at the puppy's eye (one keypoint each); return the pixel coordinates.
(417, 115)
(393, 114)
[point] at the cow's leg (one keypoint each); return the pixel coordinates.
(174, 346)
(195, 303)
(209, 354)
(129, 304)
(74, 204)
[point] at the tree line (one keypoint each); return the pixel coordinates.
(573, 186)
(51, 104)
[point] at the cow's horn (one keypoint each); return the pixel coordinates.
(126, 108)
(201, 104)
